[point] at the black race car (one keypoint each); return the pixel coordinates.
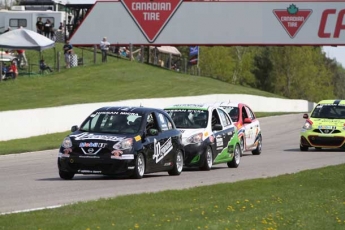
(122, 140)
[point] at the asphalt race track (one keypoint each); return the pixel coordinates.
(31, 180)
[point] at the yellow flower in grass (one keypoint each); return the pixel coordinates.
(136, 225)
(113, 224)
(216, 206)
(153, 214)
(203, 213)
(88, 229)
(238, 202)
(246, 200)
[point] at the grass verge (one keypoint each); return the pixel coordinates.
(112, 81)
(51, 141)
(309, 200)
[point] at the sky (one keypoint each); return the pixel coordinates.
(336, 52)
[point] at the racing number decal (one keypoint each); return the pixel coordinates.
(161, 151)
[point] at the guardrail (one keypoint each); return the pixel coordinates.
(33, 122)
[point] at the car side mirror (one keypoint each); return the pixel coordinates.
(217, 127)
(305, 116)
(152, 132)
(247, 120)
(74, 128)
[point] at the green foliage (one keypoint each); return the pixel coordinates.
(291, 71)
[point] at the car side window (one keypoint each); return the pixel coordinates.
(215, 118)
(224, 117)
(244, 113)
(251, 114)
(164, 122)
(152, 122)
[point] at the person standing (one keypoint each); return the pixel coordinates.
(68, 49)
(39, 26)
(22, 57)
(104, 49)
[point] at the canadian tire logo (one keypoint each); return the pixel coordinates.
(292, 19)
(151, 16)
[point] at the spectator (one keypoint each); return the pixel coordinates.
(22, 57)
(61, 26)
(39, 26)
(47, 26)
(104, 49)
(13, 70)
(43, 66)
(68, 49)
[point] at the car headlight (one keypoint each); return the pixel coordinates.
(307, 125)
(196, 138)
(67, 142)
(124, 144)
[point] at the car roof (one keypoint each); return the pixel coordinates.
(132, 109)
(201, 106)
(332, 101)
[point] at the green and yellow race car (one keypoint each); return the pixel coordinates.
(325, 127)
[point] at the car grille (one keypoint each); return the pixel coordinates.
(326, 141)
(102, 151)
(326, 131)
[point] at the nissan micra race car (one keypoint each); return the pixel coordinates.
(122, 140)
(249, 129)
(208, 135)
(325, 127)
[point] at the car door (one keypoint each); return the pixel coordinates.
(228, 127)
(254, 126)
(219, 133)
(152, 142)
(165, 155)
(249, 131)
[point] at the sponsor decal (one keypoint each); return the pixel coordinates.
(117, 113)
(86, 136)
(189, 105)
(88, 156)
(118, 154)
(168, 164)
(92, 145)
(161, 151)
(292, 19)
(219, 140)
(137, 138)
(89, 171)
(182, 130)
(151, 16)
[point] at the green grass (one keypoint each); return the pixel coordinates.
(116, 80)
(309, 200)
(51, 141)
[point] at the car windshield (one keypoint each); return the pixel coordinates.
(329, 111)
(113, 122)
(232, 111)
(189, 118)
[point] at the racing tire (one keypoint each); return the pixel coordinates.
(208, 160)
(242, 146)
(303, 148)
(178, 164)
(139, 168)
(66, 175)
(235, 162)
(258, 149)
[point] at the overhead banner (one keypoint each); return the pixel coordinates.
(178, 22)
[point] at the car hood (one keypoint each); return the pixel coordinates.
(327, 122)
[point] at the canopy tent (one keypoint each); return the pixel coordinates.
(25, 39)
(167, 49)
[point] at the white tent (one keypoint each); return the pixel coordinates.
(25, 39)
(168, 50)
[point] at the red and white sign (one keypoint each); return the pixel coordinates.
(151, 16)
(292, 19)
(214, 23)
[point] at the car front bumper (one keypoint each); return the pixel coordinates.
(312, 139)
(94, 165)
